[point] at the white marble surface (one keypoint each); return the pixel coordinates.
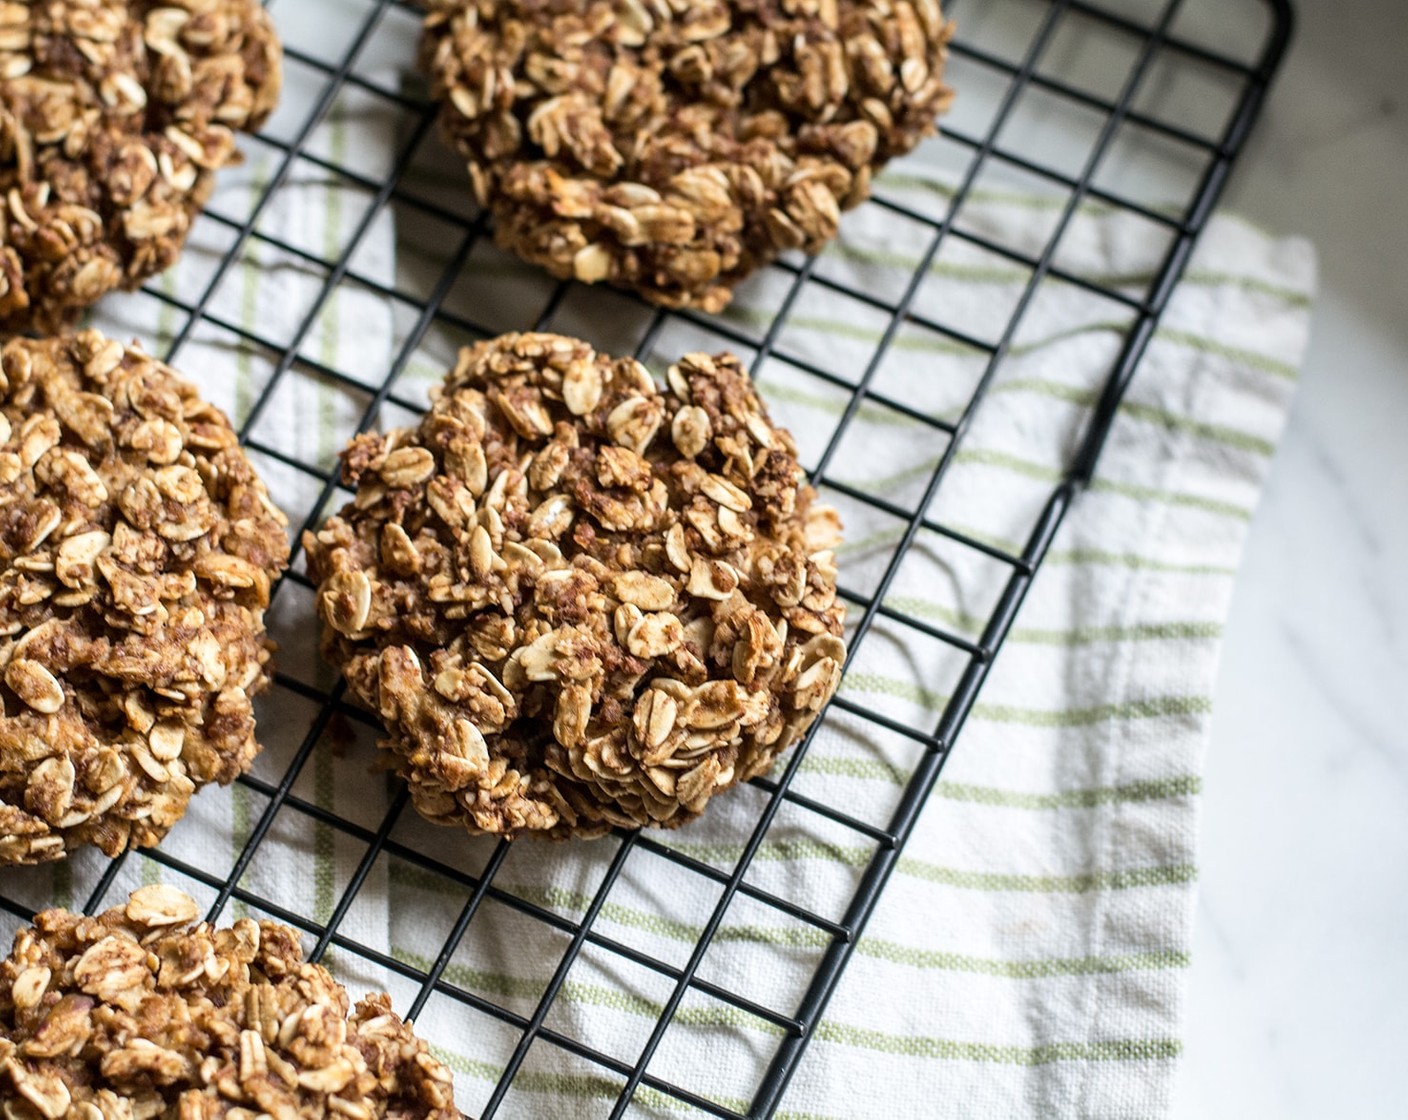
(1299, 996)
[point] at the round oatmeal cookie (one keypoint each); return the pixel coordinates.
(577, 600)
(136, 552)
(142, 1012)
(114, 116)
(673, 147)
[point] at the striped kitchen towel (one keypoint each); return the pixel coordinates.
(1029, 956)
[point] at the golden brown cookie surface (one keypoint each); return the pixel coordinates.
(114, 117)
(137, 547)
(578, 600)
(672, 148)
(142, 1012)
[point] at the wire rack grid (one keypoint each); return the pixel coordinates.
(367, 51)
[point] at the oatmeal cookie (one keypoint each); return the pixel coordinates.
(114, 117)
(578, 600)
(673, 147)
(136, 552)
(140, 1012)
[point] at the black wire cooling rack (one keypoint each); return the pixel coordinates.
(1151, 40)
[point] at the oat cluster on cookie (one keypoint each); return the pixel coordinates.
(578, 600)
(114, 115)
(141, 1012)
(673, 146)
(137, 547)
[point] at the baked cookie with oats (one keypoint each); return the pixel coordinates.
(114, 117)
(674, 146)
(143, 1012)
(577, 599)
(137, 547)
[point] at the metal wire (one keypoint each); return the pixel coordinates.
(1152, 40)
